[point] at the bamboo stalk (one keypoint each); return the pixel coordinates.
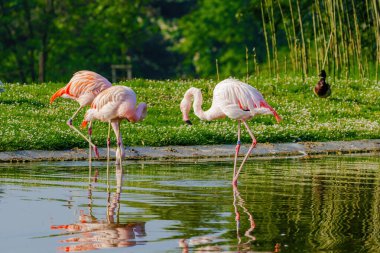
(266, 39)
(256, 66)
(377, 34)
(273, 36)
(294, 33)
(315, 42)
(286, 73)
(327, 50)
(303, 52)
(288, 38)
(351, 43)
(310, 64)
(343, 37)
(358, 41)
(320, 18)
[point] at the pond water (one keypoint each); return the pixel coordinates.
(329, 204)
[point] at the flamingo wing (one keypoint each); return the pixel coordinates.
(86, 81)
(112, 103)
(84, 86)
(241, 101)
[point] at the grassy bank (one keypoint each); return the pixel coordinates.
(28, 121)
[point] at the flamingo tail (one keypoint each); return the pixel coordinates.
(59, 93)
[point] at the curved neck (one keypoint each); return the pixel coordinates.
(210, 114)
(138, 114)
(197, 104)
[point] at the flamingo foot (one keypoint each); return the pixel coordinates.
(96, 151)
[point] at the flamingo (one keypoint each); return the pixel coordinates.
(234, 99)
(113, 105)
(83, 87)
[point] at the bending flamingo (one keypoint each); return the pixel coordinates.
(83, 87)
(113, 105)
(234, 99)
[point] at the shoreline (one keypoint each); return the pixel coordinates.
(166, 153)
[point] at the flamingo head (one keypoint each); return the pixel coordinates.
(185, 107)
(88, 117)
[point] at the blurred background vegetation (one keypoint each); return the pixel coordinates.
(49, 40)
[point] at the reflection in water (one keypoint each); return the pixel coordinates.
(238, 201)
(207, 244)
(245, 246)
(293, 205)
(91, 233)
(201, 245)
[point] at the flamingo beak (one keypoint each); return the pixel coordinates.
(84, 124)
(188, 122)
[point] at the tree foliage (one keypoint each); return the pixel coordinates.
(42, 40)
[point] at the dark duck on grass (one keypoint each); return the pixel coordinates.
(322, 89)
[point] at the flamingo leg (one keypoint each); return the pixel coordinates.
(89, 152)
(70, 124)
(237, 147)
(241, 203)
(119, 151)
(254, 142)
(70, 121)
(237, 214)
(108, 151)
(119, 146)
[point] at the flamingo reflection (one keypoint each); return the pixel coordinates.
(239, 202)
(208, 243)
(91, 233)
(205, 243)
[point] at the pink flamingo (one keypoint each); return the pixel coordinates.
(234, 99)
(113, 105)
(83, 87)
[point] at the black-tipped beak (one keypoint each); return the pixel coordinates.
(188, 122)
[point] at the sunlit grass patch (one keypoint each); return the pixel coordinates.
(28, 121)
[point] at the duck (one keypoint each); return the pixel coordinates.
(322, 89)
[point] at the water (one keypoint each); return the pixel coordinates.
(283, 205)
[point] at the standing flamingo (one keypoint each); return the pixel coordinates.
(234, 99)
(113, 105)
(83, 87)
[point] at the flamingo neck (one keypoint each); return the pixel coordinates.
(139, 114)
(197, 104)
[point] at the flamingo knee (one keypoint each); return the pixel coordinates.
(70, 122)
(254, 143)
(238, 146)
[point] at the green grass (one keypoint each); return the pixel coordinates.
(28, 121)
